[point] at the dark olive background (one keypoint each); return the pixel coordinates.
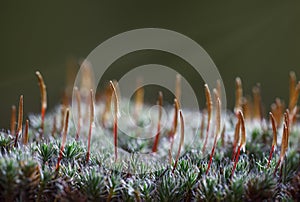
(258, 41)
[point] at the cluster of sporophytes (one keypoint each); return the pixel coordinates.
(53, 158)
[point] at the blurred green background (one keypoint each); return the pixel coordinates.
(258, 41)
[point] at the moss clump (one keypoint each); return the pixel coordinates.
(28, 169)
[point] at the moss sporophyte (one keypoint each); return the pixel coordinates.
(52, 158)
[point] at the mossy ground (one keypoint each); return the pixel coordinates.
(27, 172)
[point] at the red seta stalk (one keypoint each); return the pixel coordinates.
(91, 125)
(25, 138)
(116, 111)
(181, 140)
(20, 121)
(274, 143)
(174, 127)
(43, 100)
(159, 103)
(236, 160)
(242, 142)
(236, 138)
(218, 127)
(63, 142)
(78, 100)
(284, 142)
(209, 110)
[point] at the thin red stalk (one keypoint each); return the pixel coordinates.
(210, 158)
(175, 119)
(181, 140)
(287, 121)
(233, 152)
(218, 113)
(209, 110)
(277, 165)
(20, 120)
(274, 143)
(64, 106)
(159, 103)
(284, 143)
(236, 138)
(242, 142)
(236, 160)
(78, 99)
(174, 128)
(90, 125)
(62, 117)
(218, 126)
(202, 124)
(64, 137)
(282, 152)
(243, 129)
(116, 111)
(43, 100)
(25, 138)
(270, 157)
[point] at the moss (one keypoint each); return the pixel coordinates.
(28, 171)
